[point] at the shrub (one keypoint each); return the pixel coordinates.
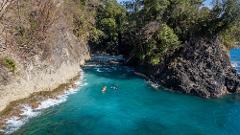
(166, 38)
(9, 63)
(163, 41)
(230, 37)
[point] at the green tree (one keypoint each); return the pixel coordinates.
(111, 22)
(148, 30)
(163, 41)
(186, 19)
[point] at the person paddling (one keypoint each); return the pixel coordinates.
(104, 89)
(114, 87)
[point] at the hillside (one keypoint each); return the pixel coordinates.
(43, 44)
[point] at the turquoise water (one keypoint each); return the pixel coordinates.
(133, 107)
(235, 58)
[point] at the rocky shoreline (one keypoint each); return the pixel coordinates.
(188, 70)
(199, 68)
(36, 81)
(39, 54)
(15, 108)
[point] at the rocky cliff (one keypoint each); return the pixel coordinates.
(200, 68)
(42, 44)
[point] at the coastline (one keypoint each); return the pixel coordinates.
(36, 81)
(16, 108)
(42, 87)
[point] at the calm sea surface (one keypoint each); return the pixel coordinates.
(130, 106)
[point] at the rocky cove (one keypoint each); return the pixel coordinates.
(130, 99)
(44, 44)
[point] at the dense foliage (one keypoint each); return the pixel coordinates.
(148, 30)
(110, 21)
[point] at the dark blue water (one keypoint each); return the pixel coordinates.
(133, 107)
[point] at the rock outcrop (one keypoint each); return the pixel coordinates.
(200, 68)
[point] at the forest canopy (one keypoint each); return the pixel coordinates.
(147, 30)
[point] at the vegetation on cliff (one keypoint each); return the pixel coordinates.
(150, 29)
(42, 34)
(181, 44)
(111, 21)
(8, 63)
(42, 44)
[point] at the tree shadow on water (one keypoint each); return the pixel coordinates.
(113, 72)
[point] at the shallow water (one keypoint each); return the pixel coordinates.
(131, 106)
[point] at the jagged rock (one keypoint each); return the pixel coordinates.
(199, 68)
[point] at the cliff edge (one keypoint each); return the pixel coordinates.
(42, 44)
(200, 68)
